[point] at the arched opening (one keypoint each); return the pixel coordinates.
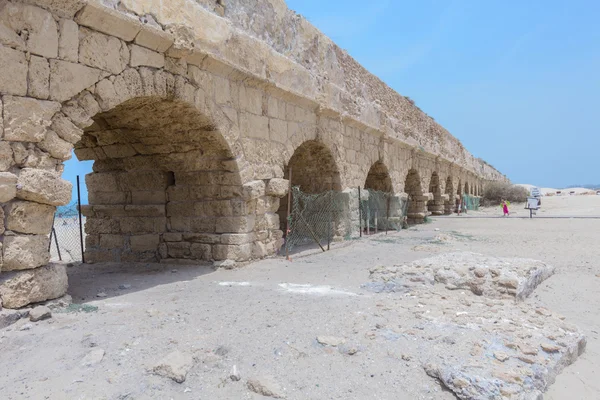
(449, 203)
(164, 187)
(379, 178)
(417, 210)
(380, 209)
(312, 168)
(435, 206)
(466, 189)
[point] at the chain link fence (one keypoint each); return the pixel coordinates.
(471, 202)
(382, 211)
(317, 220)
(65, 239)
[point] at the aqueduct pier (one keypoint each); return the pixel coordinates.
(193, 112)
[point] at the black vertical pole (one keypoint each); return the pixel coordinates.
(387, 215)
(51, 232)
(359, 214)
(56, 242)
(80, 221)
(287, 217)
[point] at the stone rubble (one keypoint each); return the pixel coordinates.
(40, 313)
(175, 366)
(501, 347)
(265, 386)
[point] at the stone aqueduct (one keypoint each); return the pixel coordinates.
(193, 112)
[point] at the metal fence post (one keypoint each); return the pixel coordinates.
(287, 227)
(80, 221)
(359, 214)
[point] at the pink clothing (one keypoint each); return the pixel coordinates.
(505, 209)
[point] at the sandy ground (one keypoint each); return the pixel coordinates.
(264, 318)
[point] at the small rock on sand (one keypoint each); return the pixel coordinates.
(175, 366)
(265, 387)
(39, 313)
(92, 358)
(330, 340)
(235, 374)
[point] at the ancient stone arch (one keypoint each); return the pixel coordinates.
(190, 130)
(379, 178)
(313, 170)
(466, 188)
(436, 205)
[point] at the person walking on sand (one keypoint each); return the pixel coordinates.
(505, 205)
(458, 206)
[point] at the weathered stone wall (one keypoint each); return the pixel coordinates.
(193, 113)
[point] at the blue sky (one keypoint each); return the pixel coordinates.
(518, 82)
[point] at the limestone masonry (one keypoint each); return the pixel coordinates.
(194, 112)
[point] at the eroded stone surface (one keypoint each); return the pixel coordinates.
(467, 328)
(483, 275)
(20, 288)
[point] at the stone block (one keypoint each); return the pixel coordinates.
(25, 119)
(38, 78)
(95, 226)
(259, 250)
(103, 52)
(92, 241)
(232, 252)
(151, 210)
(208, 238)
(25, 252)
(179, 249)
(8, 186)
(278, 130)
(241, 224)
(237, 238)
(141, 56)
(253, 190)
(55, 146)
(254, 126)
(277, 187)
(268, 221)
(119, 151)
(42, 32)
(144, 242)
(93, 256)
(107, 197)
(153, 39)
(108, 21)
(148, 197)
(102, 182)
(227, 192)
(68, 40)
(65, 129)
(29, 217)
(44, 187)
(18, 289)
(172, 237)
(111, 241)
(143, 180)
(206, 224)
(251, 100)
(61, 8)
(143, 225)
(67, 79)
(200, 251)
